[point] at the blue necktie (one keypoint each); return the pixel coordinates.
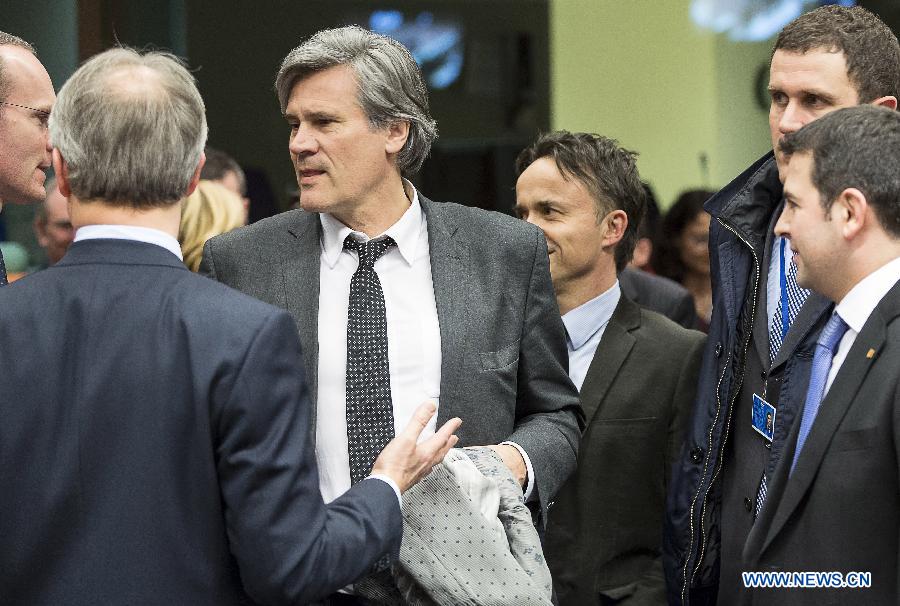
(792, 298)
(825, 348)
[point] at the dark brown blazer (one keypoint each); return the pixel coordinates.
(604, 534)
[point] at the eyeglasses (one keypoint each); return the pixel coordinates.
(34, 109)
(42, 117)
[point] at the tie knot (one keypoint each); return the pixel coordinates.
(833, 332)
(369, 251)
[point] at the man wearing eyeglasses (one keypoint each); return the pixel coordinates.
(26, 97)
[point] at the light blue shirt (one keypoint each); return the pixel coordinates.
(773, 280)
(584, 328)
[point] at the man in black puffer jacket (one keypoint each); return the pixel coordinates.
(763, 329)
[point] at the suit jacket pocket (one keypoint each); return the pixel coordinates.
(632, 421)
(856, 439)
(503, 357)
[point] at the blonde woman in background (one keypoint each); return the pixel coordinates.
(211, 210)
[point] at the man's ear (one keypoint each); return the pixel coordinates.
(61, 170)
(852, 209)
(889, 102)
(195, 179)
(615, 223)
(397, 134)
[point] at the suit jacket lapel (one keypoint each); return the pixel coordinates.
(813, 309)
(615, 345)
(449, 275)
(831, 412)
(300, 271)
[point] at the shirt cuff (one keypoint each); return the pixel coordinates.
(529, 470)
(392, 484)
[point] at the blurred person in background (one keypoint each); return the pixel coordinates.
(648, 233)
(639, 281)
(211, 210)
(683, 254)
(223, 169)
(52, 227)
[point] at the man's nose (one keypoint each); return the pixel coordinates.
(792, 119)
(782, 227)
(303, 143)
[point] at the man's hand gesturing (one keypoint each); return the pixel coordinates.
(406, 462)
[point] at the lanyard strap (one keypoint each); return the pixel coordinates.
(785, 307)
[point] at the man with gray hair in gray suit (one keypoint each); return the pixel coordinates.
(399, 299)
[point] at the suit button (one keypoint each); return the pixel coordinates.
(763, 375)
(748, 504)
(718, 349)
(697, 455)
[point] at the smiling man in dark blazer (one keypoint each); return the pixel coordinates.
(460, 298)
(636, 371)
(834, 501)
(154, 440)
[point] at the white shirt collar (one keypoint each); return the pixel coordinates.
(130, 232)
(405, 232)
(858, 304)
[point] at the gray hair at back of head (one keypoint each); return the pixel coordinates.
(390, 87)
(10, 40)
(131, 128)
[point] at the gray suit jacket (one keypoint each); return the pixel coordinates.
(604, 532)
(504, 361)
(840, 509)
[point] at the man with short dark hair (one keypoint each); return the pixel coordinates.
(834, 502)
(399, 299)
(223, 168)
(154, 437)
(764, 325)
(26, 98)
(604, 531)
(52, 227)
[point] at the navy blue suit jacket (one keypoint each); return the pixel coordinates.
(155, 445)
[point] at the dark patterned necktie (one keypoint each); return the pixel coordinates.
(2, 270)
(370, 412)
(792, 299)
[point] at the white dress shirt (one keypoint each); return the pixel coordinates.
(585, 326)
(856, 307)
(414, 339)
(147, 235)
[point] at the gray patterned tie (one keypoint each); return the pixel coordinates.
(370, 412)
